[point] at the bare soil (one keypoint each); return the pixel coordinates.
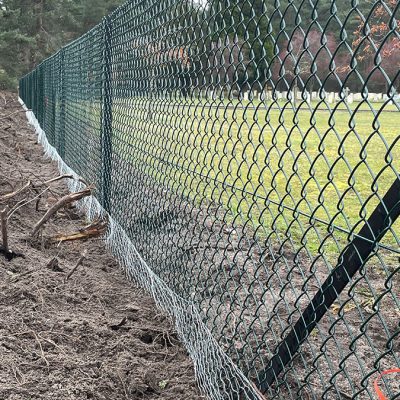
(94, 336)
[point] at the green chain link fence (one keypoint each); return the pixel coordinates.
(251, 152)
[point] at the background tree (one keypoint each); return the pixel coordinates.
(304, 61)
(379, 33)
(242, 34)
(32, 30)
(230, 42)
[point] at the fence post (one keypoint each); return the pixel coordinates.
(106, 119)
(61, 146)
(41, 97)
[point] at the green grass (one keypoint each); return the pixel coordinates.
(281, 172)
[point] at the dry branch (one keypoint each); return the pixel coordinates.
(95, 229)
(82, 257)
(4, 233)
(57, 179)
(9, 196)
(29, 183)
(15, 112)
(23, 203)
(4, 249)
(70, 198)
(66, 176)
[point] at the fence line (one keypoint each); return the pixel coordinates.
(248, 157)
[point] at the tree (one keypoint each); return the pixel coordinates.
(241, 33)
(31, 30)
(303, 60)
(258, 29)
(377, 45)
(90, 12)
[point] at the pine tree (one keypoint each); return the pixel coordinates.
(245, 25)
(30, 31)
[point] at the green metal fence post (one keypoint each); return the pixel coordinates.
(61, 149)
(106, 118)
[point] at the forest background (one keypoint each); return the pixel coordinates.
(32, 30)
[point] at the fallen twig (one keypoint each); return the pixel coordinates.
(95, 229)
(8, 196)
(15, 112)
(38, 197)
(4, 233)
(57, 179)
(4, 249)
(24, 203)
(70, 198)
(66, 176)
(82, 257)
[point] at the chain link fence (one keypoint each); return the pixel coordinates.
(250, 150)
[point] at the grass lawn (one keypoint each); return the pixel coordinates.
(298, 173)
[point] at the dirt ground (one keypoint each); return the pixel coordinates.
(93, 336)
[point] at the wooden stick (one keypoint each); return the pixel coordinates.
(15, 112)
(29, 183)
(66, 176)
(4, 234)
(82, 257)
(58, 178)
(97, 228)
(70, 198)
(15, 193)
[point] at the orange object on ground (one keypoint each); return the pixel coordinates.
(378, 391)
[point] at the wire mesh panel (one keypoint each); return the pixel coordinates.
(251, 152)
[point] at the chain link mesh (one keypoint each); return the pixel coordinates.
(250, 150)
